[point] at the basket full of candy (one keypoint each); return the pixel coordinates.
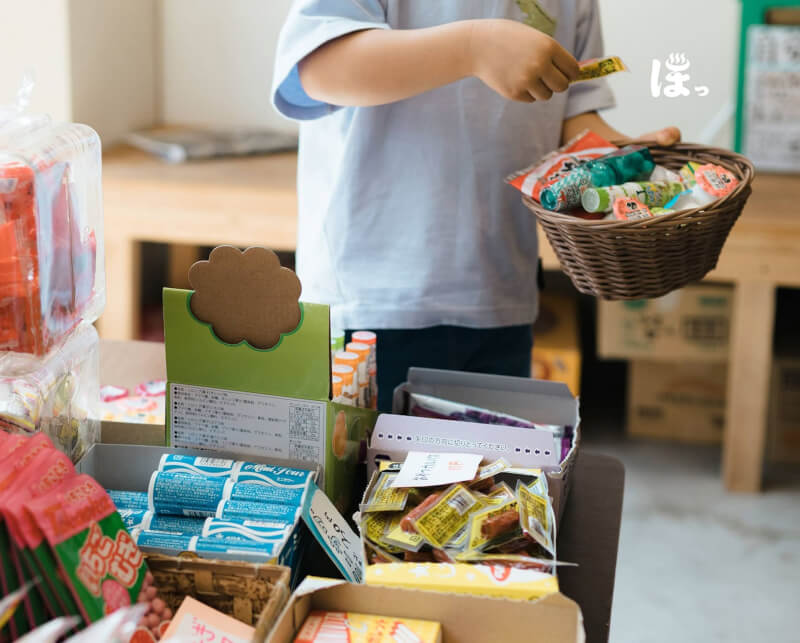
(639, 221)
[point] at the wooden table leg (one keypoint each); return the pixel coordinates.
(181, 258)
(748, 385)
(123, 274)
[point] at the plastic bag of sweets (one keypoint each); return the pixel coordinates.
(46, 471)
(96, 556)
(586, 146)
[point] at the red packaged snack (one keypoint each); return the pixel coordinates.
(95, 555)
(629, 209)
(20, 452)
(46, 471)
(587, 146)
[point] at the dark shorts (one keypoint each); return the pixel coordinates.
(501, 351)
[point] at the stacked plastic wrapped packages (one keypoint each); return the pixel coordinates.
(52, 284)
(223, 509)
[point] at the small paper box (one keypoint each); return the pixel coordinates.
(534, 400)
(274, 402)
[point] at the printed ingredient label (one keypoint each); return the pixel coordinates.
(247, 423)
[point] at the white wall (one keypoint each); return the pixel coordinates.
(34, 37)
(217, 61)
(113, 47)
(707, 32)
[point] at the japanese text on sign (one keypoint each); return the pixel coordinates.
(247, 423)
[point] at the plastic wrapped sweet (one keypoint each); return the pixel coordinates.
(55, 394)
(51, 238)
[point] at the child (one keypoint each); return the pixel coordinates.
(413, 113)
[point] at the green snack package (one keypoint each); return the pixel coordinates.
(100, 562)
(48, 470)
(21, 452)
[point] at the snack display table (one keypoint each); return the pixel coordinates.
(589, 532)
(254, 201)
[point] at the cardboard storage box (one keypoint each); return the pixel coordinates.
(464, 619)
(556, 342)
(533, 400)
(274, 403)
(128, 364)
(677, 401)
(691, 324)
(129, 467)
(784, 411)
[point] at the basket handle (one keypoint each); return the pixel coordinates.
(622, 142)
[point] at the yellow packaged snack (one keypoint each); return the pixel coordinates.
(440, 523)
(501, 581)
(397, 537)
(348, 627)
(384, 497)
(536, 513)
(599, 67)
(374, 525)
(491, 524)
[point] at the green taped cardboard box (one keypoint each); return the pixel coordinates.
(271, 402)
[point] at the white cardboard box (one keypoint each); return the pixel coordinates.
(534, 400)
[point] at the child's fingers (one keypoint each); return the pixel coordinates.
(556, 80)
(539, 90)
(565, 62)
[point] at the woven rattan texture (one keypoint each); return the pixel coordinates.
(252, 593)
(649, 258)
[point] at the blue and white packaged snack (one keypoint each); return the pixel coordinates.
(233, 550)
(136, 500)
(272, 475)
(161, 543)
(185, 525)
(246, 530)
(183, 494)
(132, 518)
(256, 511)
(262, 492)
(174, 544)
(197, 465)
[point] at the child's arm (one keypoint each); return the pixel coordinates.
(594, 122)
(379, 66)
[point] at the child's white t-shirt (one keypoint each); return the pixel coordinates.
(404, 217)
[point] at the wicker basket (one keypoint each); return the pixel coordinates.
(252, 593)
(649, 258)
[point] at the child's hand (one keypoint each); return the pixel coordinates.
(519, 62)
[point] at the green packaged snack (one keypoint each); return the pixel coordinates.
(100, 562)
(21, 452)
(48, 470)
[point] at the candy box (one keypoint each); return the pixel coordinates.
(540, 402)
(464, 618)
(253, 378)
(130, 468)
(55, 394)
(51, 235)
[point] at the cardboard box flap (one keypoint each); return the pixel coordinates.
(534, 400)
(395, 435)
(464, 619)
(297, 366)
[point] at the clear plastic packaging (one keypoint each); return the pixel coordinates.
(51, 236)
(56, 394)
